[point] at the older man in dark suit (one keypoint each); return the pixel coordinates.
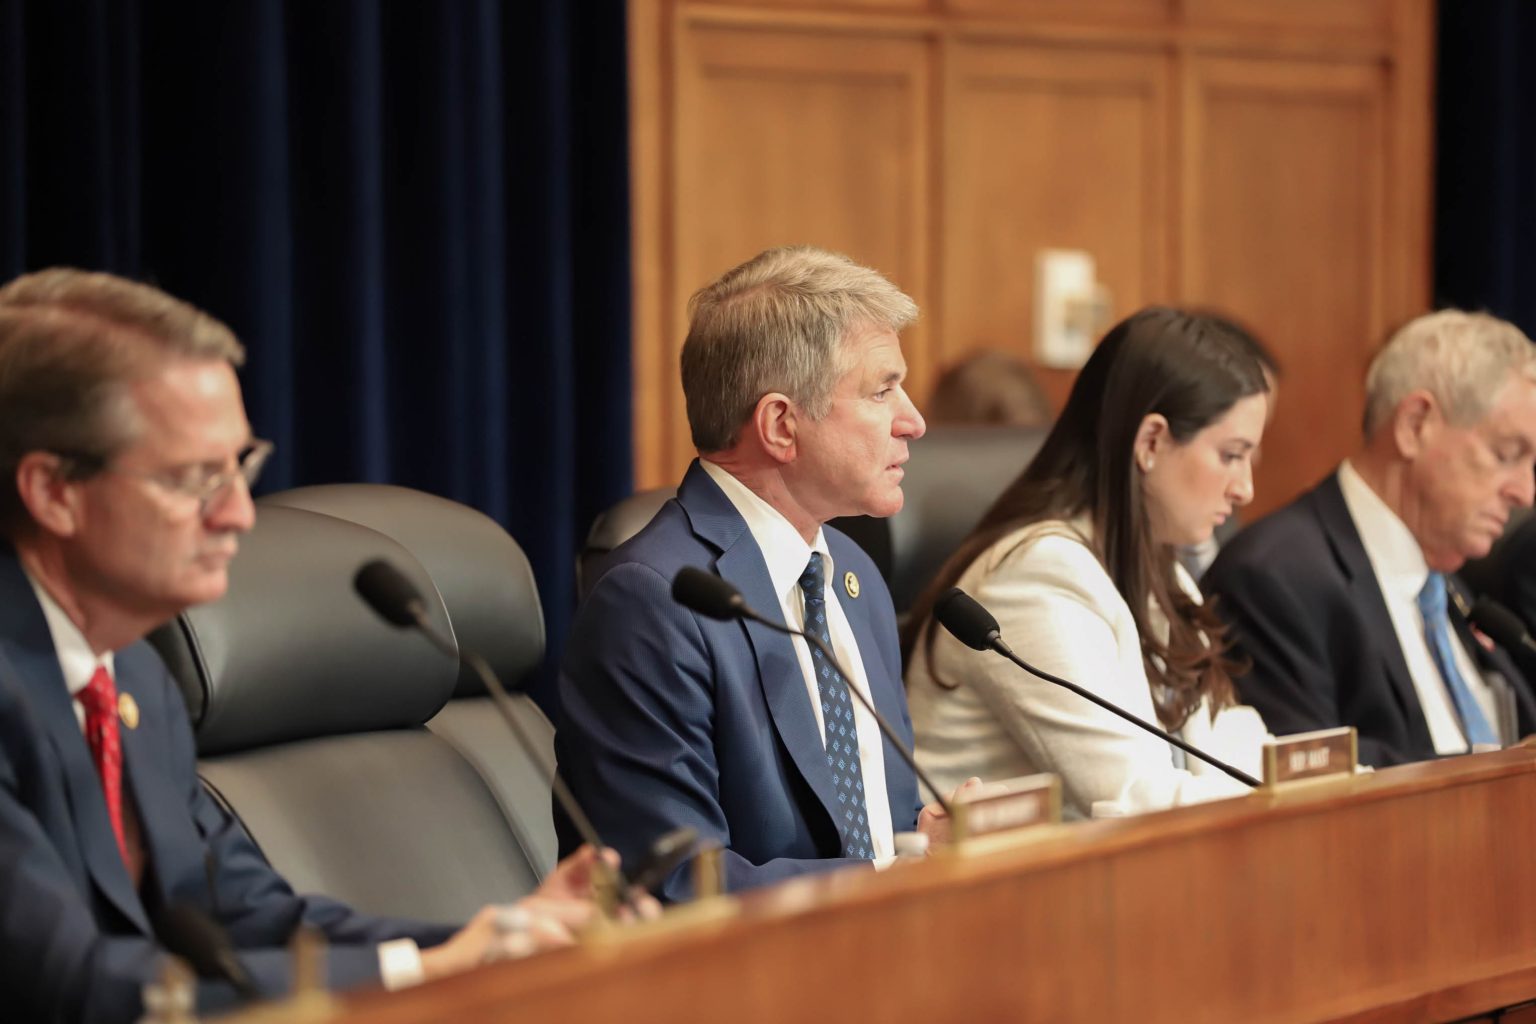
(1345, 600)
(125, 462)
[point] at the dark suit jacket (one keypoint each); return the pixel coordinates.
(76, 939)
(673, 719)
(1304, 606)
(1519, 591)
(1508, 575)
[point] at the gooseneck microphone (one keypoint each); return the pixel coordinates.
(1501, 624)
(709, 595)
(395, 598)
(199, 940)
(717, 598)
(977, 628)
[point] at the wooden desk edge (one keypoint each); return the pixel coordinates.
(836, 893)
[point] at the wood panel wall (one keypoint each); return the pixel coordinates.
(1269, 158)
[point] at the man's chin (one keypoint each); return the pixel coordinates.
(1452, 561)
(885, 506)
(210, 586)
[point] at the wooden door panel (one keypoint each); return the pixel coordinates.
(790, 137)
(1283, 207)
(1048, 149)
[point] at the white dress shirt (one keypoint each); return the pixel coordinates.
(787, 554)
(1398, 562)
(76, 659)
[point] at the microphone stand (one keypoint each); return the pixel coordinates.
(612, 886)
(997, 644)
(885, 727)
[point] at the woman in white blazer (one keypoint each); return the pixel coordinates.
(1076, 559)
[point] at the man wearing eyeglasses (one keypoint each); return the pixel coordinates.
(125, 466)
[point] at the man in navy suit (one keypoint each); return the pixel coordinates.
(1344, 600)
(125, 463)
(792, 372)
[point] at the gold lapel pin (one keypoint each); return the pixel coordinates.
(128, 710)
(851, 584)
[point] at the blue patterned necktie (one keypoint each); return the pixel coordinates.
(842, 740)
(1437, 631)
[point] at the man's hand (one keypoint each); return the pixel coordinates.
(549, 918)
(469, 947)
(574, 878)
(934, 823)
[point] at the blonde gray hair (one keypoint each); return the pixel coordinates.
(71, 342)
(778, 323)
(1462, 359)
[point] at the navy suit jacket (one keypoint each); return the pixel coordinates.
(673, 719)
(1508, 575)
(77, 940)
(1304, 606)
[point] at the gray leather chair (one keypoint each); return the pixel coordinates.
(953, 476)
(311, 720)
(952, 479)
(612, 528)
(487, 584)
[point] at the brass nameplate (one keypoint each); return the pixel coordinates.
(1007, 805)
(1311, 755)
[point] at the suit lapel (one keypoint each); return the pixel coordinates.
(716, 520)
(1365, 595)
(29, 646)
(153, 793)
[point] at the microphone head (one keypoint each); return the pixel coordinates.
(198, 939)
(387, 591)
(1501, 624)
(707, 594)
(971, 624)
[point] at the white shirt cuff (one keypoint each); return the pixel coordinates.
(400, 964)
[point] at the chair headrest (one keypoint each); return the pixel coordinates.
(612, 528)
(627, 518)
(481, 573)
(291, 652)
(953, 476)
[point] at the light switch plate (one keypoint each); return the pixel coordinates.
(1065, 293)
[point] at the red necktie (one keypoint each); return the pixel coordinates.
(99, 698)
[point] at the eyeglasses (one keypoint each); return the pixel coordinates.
(200, 480)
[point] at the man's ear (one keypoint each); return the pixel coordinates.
(776, 421)
(50, 498)
(1152, 439)
(1414, 423)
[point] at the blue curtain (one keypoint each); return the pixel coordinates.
(415, 214)
(1485, 173)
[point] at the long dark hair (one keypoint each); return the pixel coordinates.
(1190, 368)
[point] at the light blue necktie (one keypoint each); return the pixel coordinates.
(837, 719)
(1437, 631)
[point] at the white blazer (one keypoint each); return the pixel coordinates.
(1060, 611)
